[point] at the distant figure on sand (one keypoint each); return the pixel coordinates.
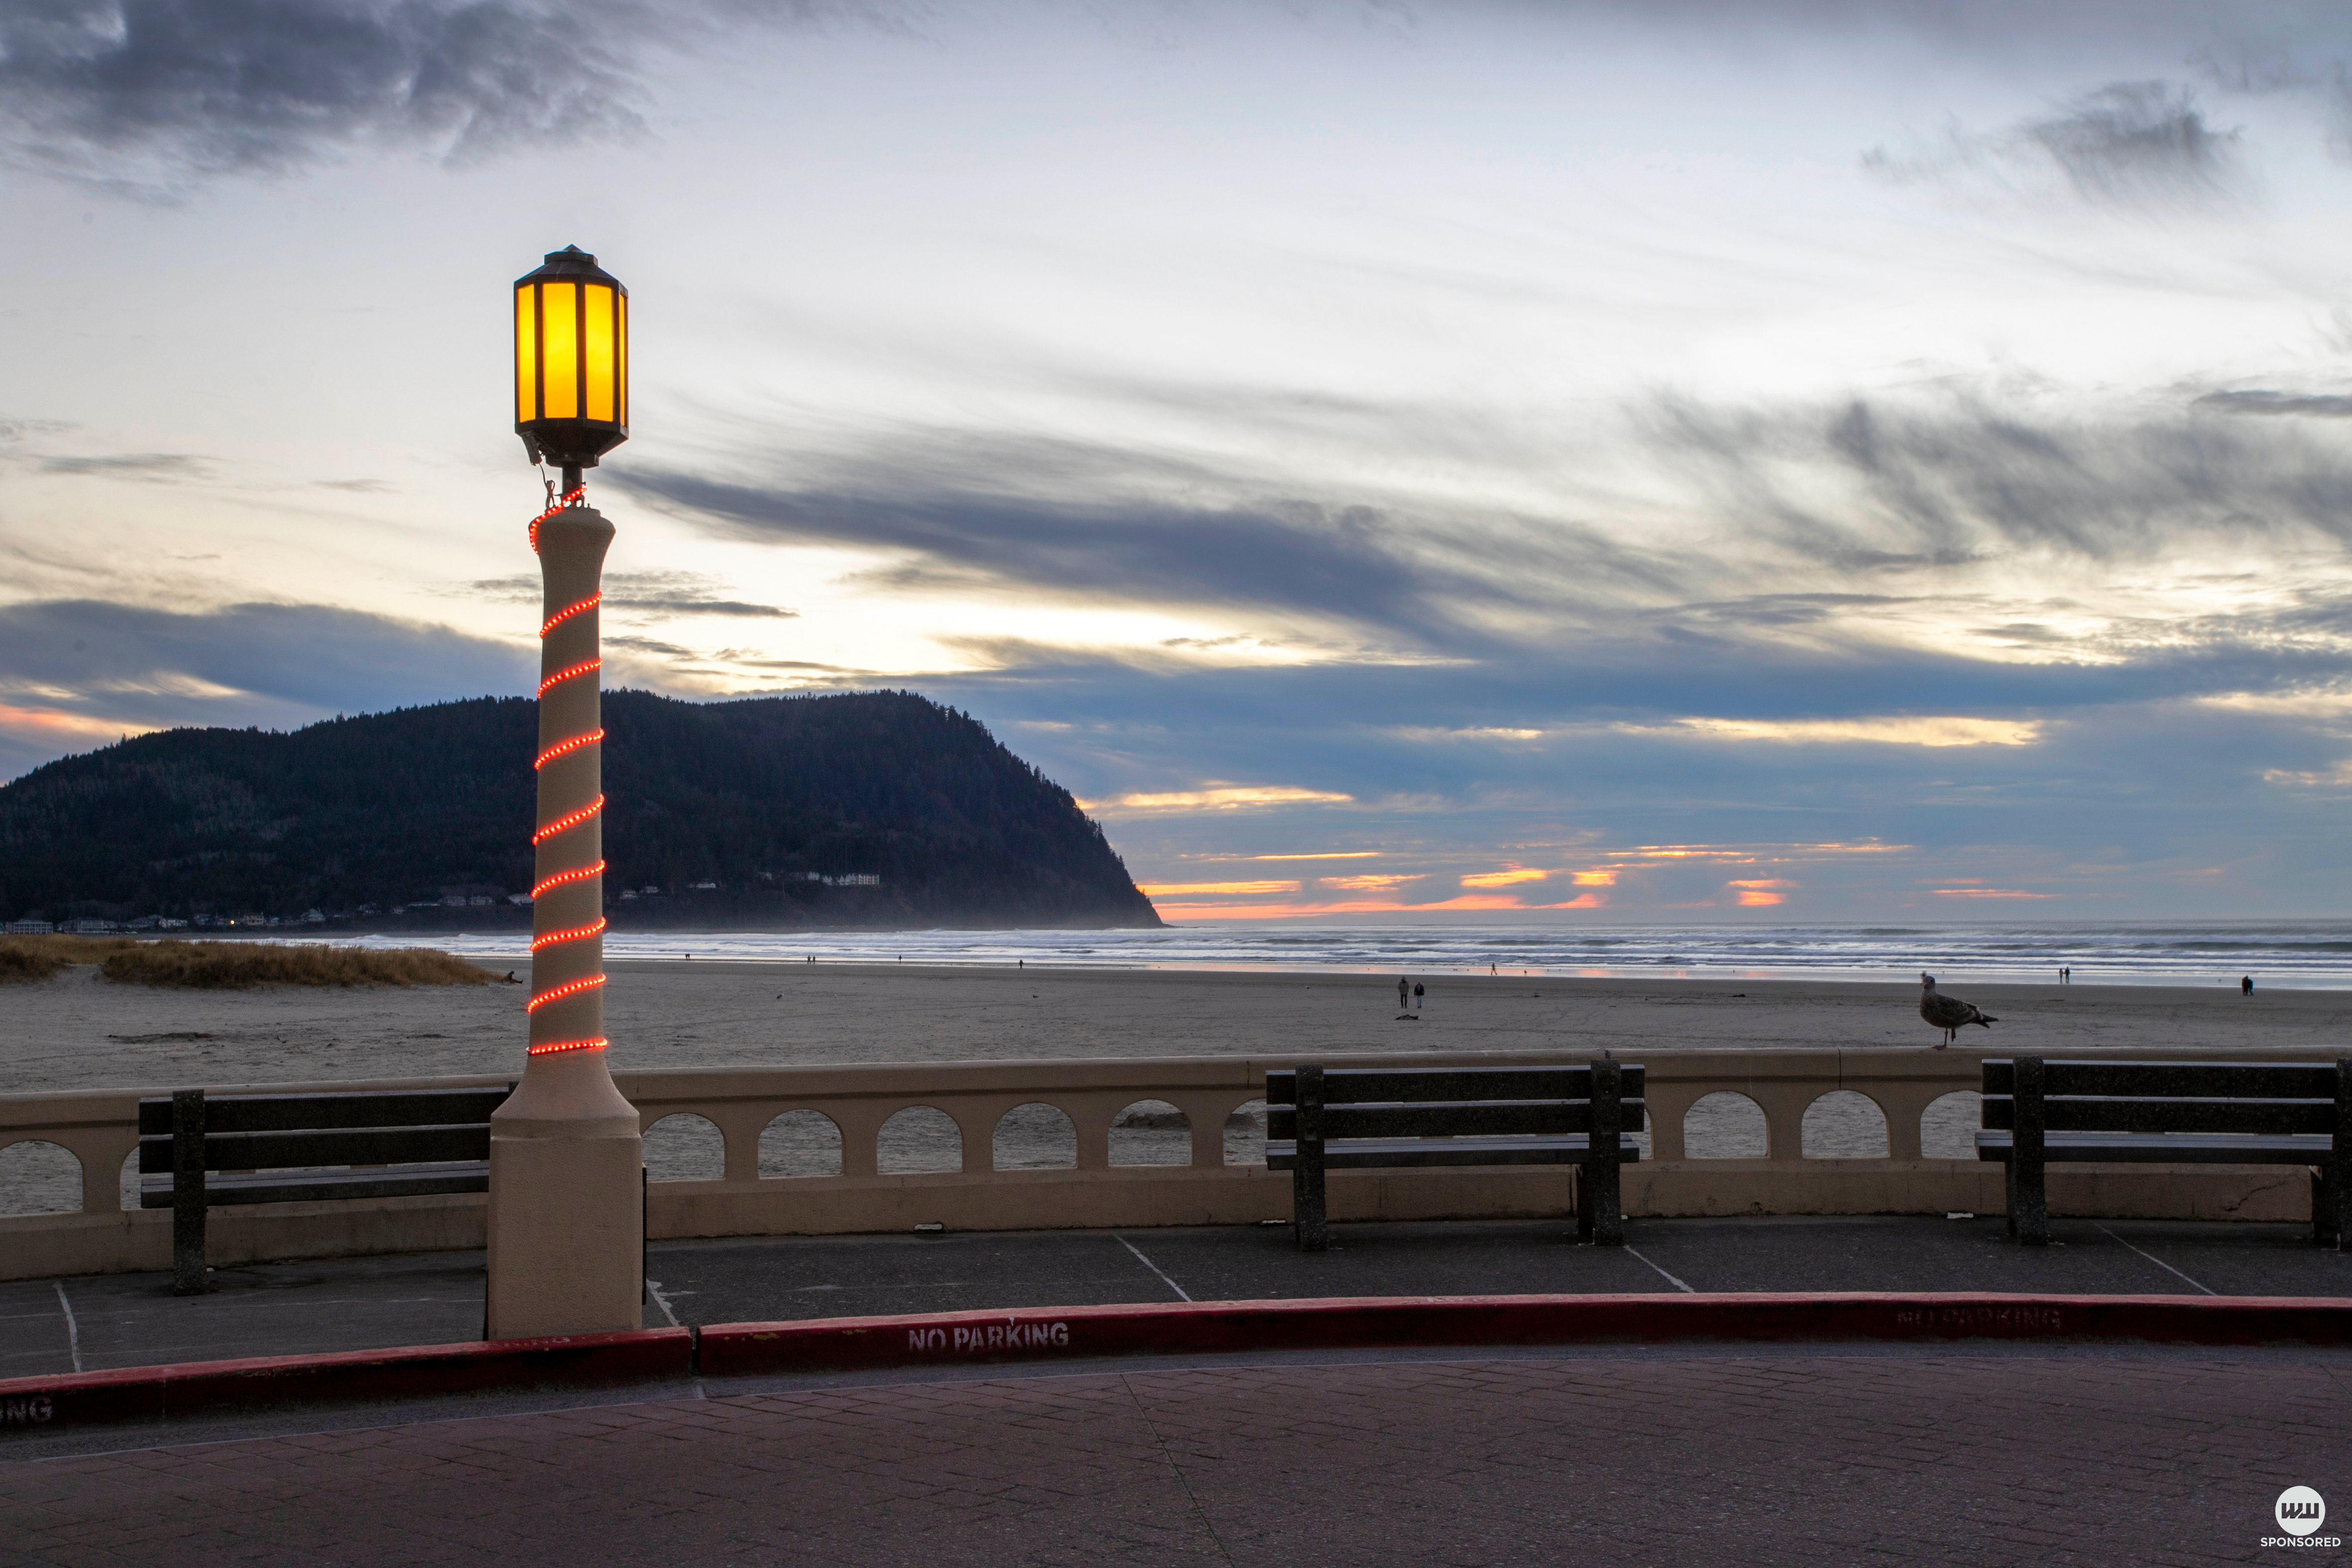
(1404, 994)
(1948, 1014)
(2245, 985)
(1416, 996)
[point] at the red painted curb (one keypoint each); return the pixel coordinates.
(841, 1344)
(157, 1394)
(161, 1393)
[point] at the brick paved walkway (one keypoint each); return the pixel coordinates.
(2138, 1458)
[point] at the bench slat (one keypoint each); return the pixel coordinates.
(2256, 1081)
(303, 1112)
(341, 1146)
(1356, 1086)
(2141, 1113)
(1366, 1153)
(316, 1186)
(2166, 1148)
(1469, 1117)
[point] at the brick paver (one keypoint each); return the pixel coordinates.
(2140, 1458)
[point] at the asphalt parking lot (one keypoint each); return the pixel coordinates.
(133, 1319)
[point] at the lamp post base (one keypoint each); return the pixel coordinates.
(567, 1233)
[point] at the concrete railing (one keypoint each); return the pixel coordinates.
(1220, 1182)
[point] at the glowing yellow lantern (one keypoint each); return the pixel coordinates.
(572, 362)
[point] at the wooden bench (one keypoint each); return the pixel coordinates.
(2166, 1113)
(195, 1152)
(1350, 1119)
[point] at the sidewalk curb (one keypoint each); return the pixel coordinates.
(158, 1394)
(161, 1394)
(841, 1344)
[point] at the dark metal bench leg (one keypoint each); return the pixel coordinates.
(188, 1193)
(1606, 1205)
(2029, 1204)
(2331, 1184)
(1308, 1219)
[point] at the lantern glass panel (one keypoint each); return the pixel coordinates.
(559, 323)
(526, 356)
(596, 350)
(620, 360)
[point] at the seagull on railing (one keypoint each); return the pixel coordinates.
(1948, 1014)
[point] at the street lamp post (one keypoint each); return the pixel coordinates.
(566, 1213)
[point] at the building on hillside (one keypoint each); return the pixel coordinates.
(26, 928)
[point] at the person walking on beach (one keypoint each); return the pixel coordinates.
(1404, 994)
(2245, 985)
(1417, 996)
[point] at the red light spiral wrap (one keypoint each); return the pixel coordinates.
(565, 614)
(567, 946)
(560, 878)
(556, 1047)
(565, 748)
(568, 500)
(584, 667)
(586, 813)
(558, 992)
(577, 933)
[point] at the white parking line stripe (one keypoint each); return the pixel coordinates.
(73, 1328)
(1670, 1279)
(2152, 1258)
(1153, 1266)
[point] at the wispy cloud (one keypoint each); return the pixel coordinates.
(2137, 143)
(1504, 879)
(1222, 797)
(150, 467)
(97, 86)
(640, 593)
(1927, 732)
(106, 668)
(2319, 406)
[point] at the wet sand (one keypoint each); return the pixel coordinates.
(76, 1031)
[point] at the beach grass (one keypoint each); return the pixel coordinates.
(231, 965)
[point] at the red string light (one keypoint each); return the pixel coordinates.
(560, 878)
(559, 992)
(564, 748)
(575, 820)
(583, 669)
(575, 934)
(570, 819)
(561, 616)
(554, 1047)
(577, 493)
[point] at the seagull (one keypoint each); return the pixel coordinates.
(1948, 1014)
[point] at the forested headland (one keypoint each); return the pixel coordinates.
(863, 809)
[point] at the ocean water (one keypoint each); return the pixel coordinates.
(2280, 954)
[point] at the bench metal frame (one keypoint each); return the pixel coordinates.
(2168, 1113)
(1345, 1118)
(196, 1153)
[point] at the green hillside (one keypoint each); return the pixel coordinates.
(358, 817)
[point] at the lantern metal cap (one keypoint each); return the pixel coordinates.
(573, 264)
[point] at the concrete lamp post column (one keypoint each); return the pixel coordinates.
(567, 1165)
(566, 1238)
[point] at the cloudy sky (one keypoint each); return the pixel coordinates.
(1675, 460)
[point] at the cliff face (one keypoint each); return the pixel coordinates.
(763, 799)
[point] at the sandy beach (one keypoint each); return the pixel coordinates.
(76, 1031)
